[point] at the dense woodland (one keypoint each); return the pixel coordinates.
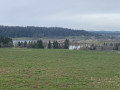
(106, 32)
(5, 42)
(30, 31)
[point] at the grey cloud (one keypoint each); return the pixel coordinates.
(78, 14)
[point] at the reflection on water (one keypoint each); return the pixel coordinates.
(72, 47)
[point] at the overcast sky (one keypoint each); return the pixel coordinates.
(75, 14)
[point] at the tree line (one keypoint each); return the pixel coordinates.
(106, 46)
(40, 45)
(5, 42)
(31, 31)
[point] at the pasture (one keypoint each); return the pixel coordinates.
(43, 69)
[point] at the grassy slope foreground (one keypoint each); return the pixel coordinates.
(34, 69)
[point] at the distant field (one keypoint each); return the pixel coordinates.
(35, 69)
(23, 38)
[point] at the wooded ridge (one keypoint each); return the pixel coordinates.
(31, 31)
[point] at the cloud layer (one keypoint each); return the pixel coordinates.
(76, 14)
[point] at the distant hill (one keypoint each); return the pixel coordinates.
(31, 31)
(106, 32)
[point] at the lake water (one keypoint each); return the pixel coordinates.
(16, 41)
(72, 47)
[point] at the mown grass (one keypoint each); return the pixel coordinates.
(35, 69)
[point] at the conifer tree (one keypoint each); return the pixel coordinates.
(57, 45)
(49, 45)
(54, 44)
(116, 47)
(19, 44)
(66, 44)
(40, 44)
(25, 44)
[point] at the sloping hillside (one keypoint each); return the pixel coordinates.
(30, 31)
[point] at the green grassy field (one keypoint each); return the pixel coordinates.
(35, 69)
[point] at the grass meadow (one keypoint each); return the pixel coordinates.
(37, 69)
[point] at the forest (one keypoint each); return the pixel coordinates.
(31, 31)
(5, 42)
